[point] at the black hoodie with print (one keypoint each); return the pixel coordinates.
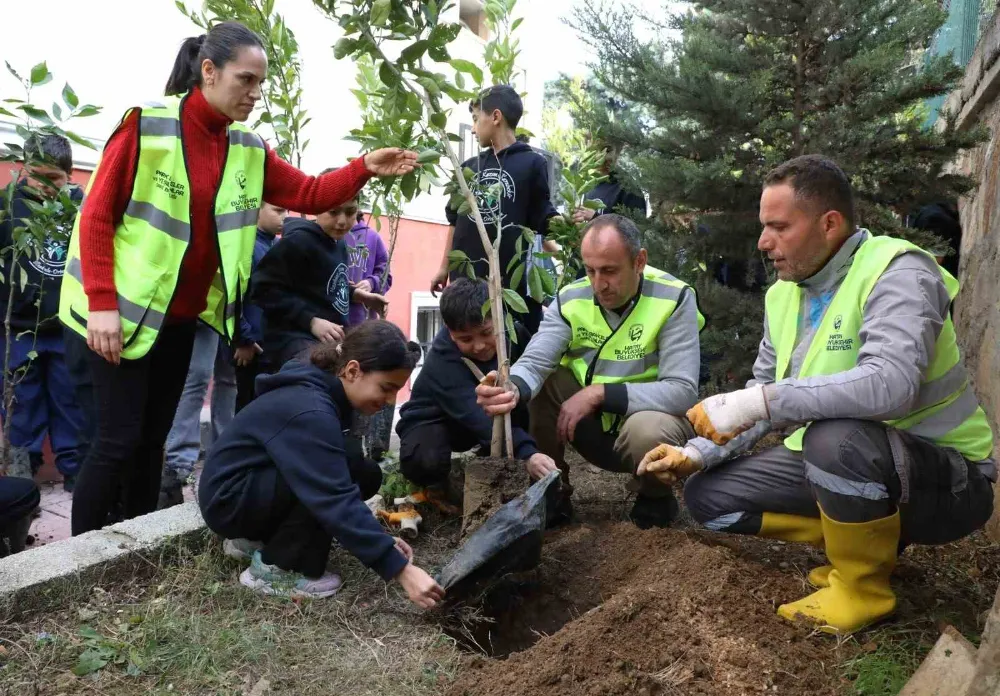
(525, 201)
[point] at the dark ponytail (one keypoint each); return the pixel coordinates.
(377, 346)
(219, 45)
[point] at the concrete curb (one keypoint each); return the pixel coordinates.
(56, 573)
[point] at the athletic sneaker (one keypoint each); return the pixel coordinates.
(241, 549)
(272, 580)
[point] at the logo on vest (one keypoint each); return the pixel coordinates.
(241, 179)
(837, 322)
(245, 202)
(585, 335)
(165, 183)
(635, 332)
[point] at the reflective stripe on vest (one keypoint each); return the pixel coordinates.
(945, 410)
(630, 353)
(155, 230)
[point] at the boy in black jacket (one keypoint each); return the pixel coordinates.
(301, 285)
(442, 416)
(44, 393)
(524, 200)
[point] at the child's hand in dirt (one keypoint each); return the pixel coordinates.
(539, 465)
(420, 587)
(404, 549)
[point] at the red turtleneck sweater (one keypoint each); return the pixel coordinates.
(205, 141)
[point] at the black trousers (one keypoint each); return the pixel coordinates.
(18, 497)
(77, 362)
(135, 403)
(246, 376)
(269, 511)
(425, 452)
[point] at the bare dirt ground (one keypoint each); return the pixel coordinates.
(611, 610)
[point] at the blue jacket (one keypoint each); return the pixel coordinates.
(252, 319)
(296, 425)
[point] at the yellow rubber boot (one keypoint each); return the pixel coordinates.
(863, 556)
(798, 528)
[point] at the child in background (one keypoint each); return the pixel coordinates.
(368, 267)
(280, 482)
(301, 285)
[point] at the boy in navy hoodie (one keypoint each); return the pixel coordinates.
(442, 416)
(44, 394)
(302, 286)
(524, 199)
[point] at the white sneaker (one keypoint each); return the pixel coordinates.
(241, 549)
(272, 580)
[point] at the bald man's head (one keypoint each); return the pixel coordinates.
(613, 258)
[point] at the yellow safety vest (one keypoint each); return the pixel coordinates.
(153, 236)
(629, 354)
(945, 411)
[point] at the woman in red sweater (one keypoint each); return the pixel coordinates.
(219, 76)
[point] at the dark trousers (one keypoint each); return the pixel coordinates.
(270, 512)
(44, 399)
(856, 471)
(78, 366)
(425, 451)
(18, 497)
(246, 376)
(135, 403)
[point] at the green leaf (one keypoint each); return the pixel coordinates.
(456, 256)
(535, 288)
(469, 68)
(593, 205)
(514, 301)
(69, 96)
(343, 48)
(88, 110)
(439, 120)
(35, 113)
(429, 155)
(32, 354)
(40, 74)
(92, 660)
(413, 52)
(408, 185)
(515, 279)
(380, 12)
(509, 323)
(702, 266)
(388, 75)
(24, 278)
(548, 282)
(430, 85)
(14, 73)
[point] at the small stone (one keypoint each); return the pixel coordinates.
(565, 678)
(701, 670)
(739, 660)
(783, 565)
(620, 665)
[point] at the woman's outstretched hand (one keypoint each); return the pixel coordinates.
(391, 161)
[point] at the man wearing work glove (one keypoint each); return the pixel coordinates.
(860, 348)
(613, 367)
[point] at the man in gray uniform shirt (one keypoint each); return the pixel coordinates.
(613, 367)
(858, 346)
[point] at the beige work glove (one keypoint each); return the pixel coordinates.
(722, 417)
(670, 464)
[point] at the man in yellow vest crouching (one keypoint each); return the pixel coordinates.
(613, 367)
(859, 350)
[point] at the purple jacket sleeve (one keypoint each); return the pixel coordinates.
(380, 280)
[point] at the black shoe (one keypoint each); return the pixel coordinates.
(654, 512)
(69, 482)
(170, 495)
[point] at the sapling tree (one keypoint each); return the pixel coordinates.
(50, 221)
(408, 43)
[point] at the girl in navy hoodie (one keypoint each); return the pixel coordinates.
(280, 483)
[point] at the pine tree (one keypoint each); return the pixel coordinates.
(747, 84)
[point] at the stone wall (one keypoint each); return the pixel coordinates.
(977, 102)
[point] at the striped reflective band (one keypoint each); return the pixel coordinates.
(936, 391)
(724, 522)
(947, 419)
(581, 293)
(227, 222)
(660, 291)
(626, 368)
(869, 490)
(147, 212)
(137, 314)
(159, 126)
(239, 137)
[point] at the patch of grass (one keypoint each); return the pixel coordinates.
(192, 629)
(885, 669)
